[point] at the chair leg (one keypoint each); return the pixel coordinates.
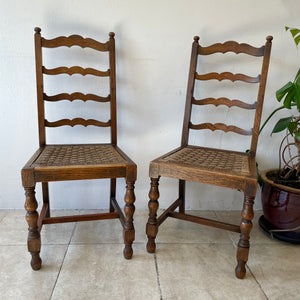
(45, 189)
(182, 196)
(152, 228)
(113, 182)
(128, 231)
(34, 240)
(244, 245)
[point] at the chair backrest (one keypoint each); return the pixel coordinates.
(236, 48)
(70, 41)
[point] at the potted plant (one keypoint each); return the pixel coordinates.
(281, 187)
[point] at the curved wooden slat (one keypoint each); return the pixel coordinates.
(74, 40)
(224, 101)
(228, 76)
(77, 121)
(75, 70)
(76, 96)
(232, 46)
(220, 126)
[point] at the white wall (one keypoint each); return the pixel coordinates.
(153, 41)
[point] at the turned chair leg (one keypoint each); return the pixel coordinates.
(129, 232)
(243, 245)
(34, 240)
(152, 228)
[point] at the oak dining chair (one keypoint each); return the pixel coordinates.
(66, 162)
(214, 166)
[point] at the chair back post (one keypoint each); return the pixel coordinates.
(261, 94)
(39, 84)
(190, 91)
(112, 78)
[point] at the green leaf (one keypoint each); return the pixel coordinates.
(297, 95)
(297, 76)
(294, 31)
(289, 98)
(297, 39)
(282, 124)
(281, 92)
(297, 136)
(292, 126)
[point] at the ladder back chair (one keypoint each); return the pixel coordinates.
(76, 161)
(213, 166)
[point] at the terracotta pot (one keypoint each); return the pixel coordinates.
(281, 206)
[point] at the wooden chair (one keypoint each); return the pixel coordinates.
(224, 168)
(76, 162)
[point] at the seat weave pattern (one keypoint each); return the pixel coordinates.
(71, 155)
(210, 159)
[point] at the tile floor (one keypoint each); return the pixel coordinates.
(85, 261)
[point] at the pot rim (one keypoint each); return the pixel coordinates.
(264, 177)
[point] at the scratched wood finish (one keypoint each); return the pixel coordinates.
(227, 76)
(224, 101)
(231, 169)
(77, 121)
(52, 163)
(76, 96)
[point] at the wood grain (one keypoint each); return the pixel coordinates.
(224, 101)
(76, 96)
(75, 70)
(73, 40)
(227, 76)
(77, 121)
(232, 46)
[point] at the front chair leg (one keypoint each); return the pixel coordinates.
(34, 240)
(244, 245)
(152, 228)
(128, 231)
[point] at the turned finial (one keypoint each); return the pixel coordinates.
(269, 38)
(196, 38)
(111, 35)
(37, 30)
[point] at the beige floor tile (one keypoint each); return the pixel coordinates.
(101, 272)
(256, 236)
(277, 269)
(3, 213)
(179, 231)
(19, 281)
(108, 231)
(203, 271)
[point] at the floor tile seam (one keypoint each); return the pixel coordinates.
(61, 265)
(157, 277)
(259, 285)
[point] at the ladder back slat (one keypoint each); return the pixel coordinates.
(74, 40)
(224, 101)
(77, 121)
(232, 46)
(76, 96)
(75, 70)
(220, 126)
(227, 76)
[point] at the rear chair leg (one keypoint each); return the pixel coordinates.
(112, 193)
(182, 196)
(34, 240)
(152, 228)
(128, 231)
(45, 190)
(244, 245)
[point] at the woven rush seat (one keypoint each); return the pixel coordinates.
(210, 159)
(78, 155)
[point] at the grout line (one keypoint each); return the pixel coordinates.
(157, 277)
(250, 271)
(62, 262)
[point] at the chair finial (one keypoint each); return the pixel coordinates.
(269, 38)
(111, 35)
(196, 38)
(37, 30)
